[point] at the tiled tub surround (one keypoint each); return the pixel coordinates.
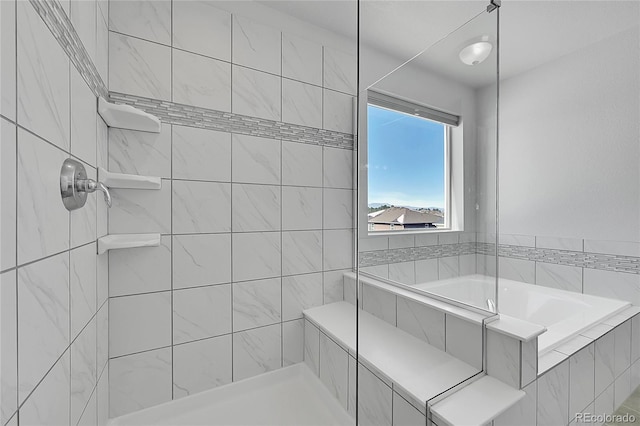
(420, 257)
(440, 346)
(455, 330)
(597, 267)
(54, 325)
(256, 226)
(562, 313)
(593, 372)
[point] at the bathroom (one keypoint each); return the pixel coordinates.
(210, 253)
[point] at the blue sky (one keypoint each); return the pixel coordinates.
(406, 153)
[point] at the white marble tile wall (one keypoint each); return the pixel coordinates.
(597, 280)
(53, 300)
(138, 381)
(422, 322)
(213, 358)
(511, 360)
(503, 358)
(254, 230)
(244, 66)
(425, 270)
(460, 338)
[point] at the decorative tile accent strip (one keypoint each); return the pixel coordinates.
(608, 262)
(383, 257)
(185, 115)
(60, 26)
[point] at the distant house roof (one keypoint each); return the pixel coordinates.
(376, 213)
(404, 216)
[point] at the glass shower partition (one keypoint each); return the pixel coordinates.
(426, 204)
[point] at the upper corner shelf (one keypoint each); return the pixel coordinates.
(127, 117)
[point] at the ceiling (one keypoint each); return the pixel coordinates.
(533, 32)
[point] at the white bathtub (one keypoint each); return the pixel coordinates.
(564, 313)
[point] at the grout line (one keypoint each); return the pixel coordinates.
(224, 283)
(14, 122)
(231, 20)
(94, 391)
(95, 235)
(19, 126)
(16, 176)
(281, 218)
(231, 62)
(71, 266)
(171, 224)
(31, 262)
(201, 339)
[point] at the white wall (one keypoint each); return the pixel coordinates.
(569, 145)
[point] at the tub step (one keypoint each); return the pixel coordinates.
(420, 370)
(476, 404)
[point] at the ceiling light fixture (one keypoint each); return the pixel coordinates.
(476, 53)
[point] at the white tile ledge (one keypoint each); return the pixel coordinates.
(549, 360)
(516, 328)
(618, 319)
(483, 400)
(424, 372)
(467, 314)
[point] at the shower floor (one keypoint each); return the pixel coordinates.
(289, 396)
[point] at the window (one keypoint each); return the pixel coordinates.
(408, 165)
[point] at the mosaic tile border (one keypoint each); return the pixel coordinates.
(408, 254)
(185, 115)
(601, 261)
(59, 24)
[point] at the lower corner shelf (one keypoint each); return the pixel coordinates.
(124, 241)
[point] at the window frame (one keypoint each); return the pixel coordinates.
(408, 107)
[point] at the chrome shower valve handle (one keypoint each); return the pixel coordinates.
(75, 185)
(90, 185)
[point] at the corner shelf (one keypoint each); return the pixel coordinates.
(125, 181)
(127, 117)
(124, 241)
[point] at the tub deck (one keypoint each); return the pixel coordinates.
(564, 314)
